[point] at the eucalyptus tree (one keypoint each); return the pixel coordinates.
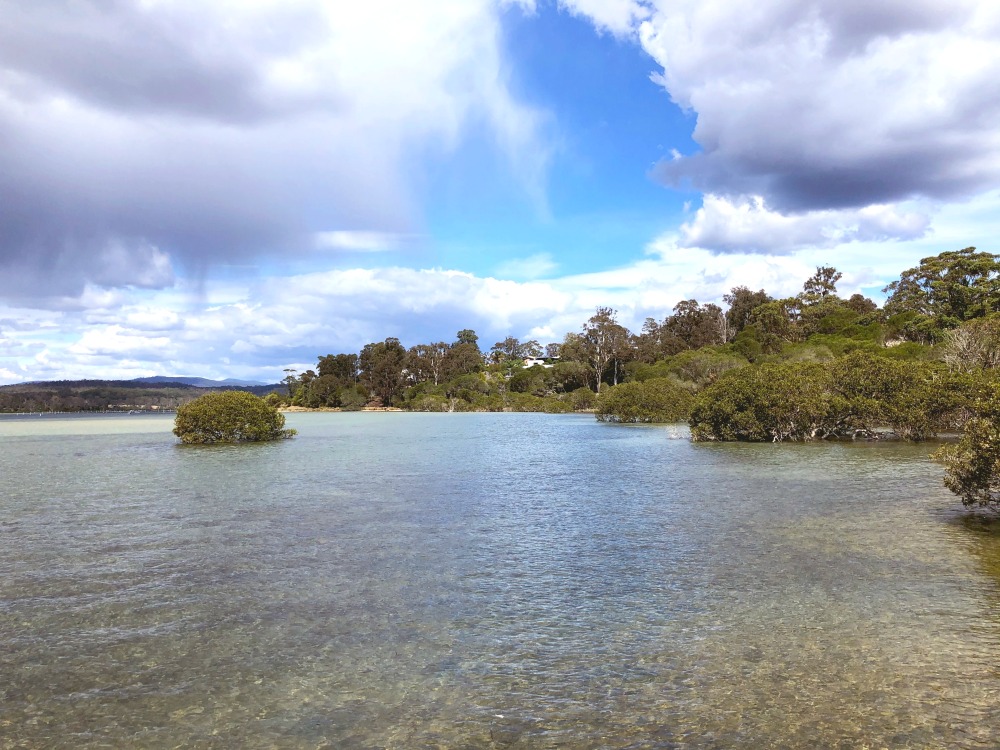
(697, 325)
(383, 369)
(343, 367)
(604, 342)
(428, 361)
(950, 287)
(820, 285)
(742, 302)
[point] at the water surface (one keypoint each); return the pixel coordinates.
(484, 581)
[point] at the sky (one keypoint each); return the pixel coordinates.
(225, 188)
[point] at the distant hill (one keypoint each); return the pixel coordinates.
(200, 382)
(153, 394)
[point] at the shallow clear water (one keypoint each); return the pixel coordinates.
(486, 581)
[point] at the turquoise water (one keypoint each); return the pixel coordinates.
(393, 580)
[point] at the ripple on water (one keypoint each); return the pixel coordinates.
(487, 581)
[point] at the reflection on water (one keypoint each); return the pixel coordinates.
(486, 581)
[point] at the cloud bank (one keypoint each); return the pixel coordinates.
(140, 140)
(820, 104)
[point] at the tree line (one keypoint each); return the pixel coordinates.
(939, 314)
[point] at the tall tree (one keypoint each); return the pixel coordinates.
(462, 358)
(657, 342)
(820, 285)
(953, 286)
(343, 367)
(383, 369)
(427, 361)
(291, 382)
(468, 336)
(696, 325)
(604, 342)
(741, 303)
(512, 349)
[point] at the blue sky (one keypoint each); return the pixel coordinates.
(609, 125)
(227, 189)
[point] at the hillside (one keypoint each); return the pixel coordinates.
(109, 395)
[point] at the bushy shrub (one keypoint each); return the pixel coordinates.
(857, 395)
(528, 402)
(582, 399)
(657, 400)
(229, 417)
(769, 402)
(428, 402)
(973, 465)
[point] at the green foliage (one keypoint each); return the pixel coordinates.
(658, 400)
(571, 375)
(809, 351)
(973, 465)
(908, 350)
(382, 369)
(747, 344)
(352, 399)
(582, 399)
(700, 367)
(536, 380)
(641, 371)
(229, 417)
(342, 367)
(769, 402)
(855, 395)
(742, 303)
(428, 402)
(774, 323)
(528, 402)
(821, 285)
(945, 290)
(913, 399)
(697, 325)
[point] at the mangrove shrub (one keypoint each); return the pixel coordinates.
(657, 400)
(973, 465)
(229, 417)
(770, 402)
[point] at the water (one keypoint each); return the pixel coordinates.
(486, 581)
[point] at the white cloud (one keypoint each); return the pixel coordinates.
(826, 104)
(533, 267)
(616, 16)
(358, 241)
(747, 225)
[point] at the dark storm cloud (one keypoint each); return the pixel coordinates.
(834, 104)
(140, 141)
